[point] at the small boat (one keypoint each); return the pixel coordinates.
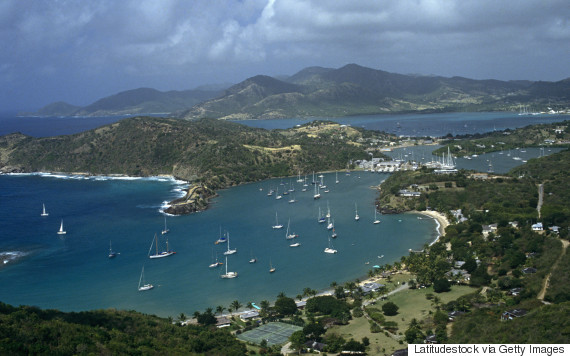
(337, 181)
(289, 236)
(111, 252)
(216, 263)
(144, 286)
(376, 221)
(162, 254)
(61, 230)
(228, 275)
(44, 212)
(317, 194)
(229, 251)
(165, 230)
(328, 210)
(270, 193)
(322, 219)
(330, 226)
(330, 249)
(271, 268)
(296, 244)
(252, 259)
(221, 239)
(292, 200)
(356, 217)
(277, 225)
(277, 196)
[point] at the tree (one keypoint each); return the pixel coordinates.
(236, 305)
(441, 285)
(285, 306)
(182, 317)
(313, 331)
(390, 309)
(298, 340)
(220, 309)
(414, 333)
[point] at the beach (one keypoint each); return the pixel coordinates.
(442, 222)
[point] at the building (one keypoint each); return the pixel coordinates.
(408, 193)
(454, 314)
(249, 315)
(512, 314)
(529, 270)
(222, 322)
(368, 288)
(537, 227)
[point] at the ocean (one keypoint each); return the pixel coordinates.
(72, 272)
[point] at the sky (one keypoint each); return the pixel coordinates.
(80, 51)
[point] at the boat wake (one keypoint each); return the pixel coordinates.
(10, 257)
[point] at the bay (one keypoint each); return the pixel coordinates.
(73, 272)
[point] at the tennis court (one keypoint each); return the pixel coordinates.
(274, 333)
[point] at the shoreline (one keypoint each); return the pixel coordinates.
(440, 219)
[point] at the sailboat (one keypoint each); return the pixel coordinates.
(330, 249)
(111, 252)
(252, 259)
(277, 225)
(221, 239)
(289, 236)
(337, 181)
(277, 196)
(44, 212)
(229, 274)
(330, 226)
(61, 230)
(356, 217)
(292, 200)
(333, 231)
(229, 251)
(141, 281)
(271, 268)
(376, 221)
(216, 263)
(328, 210)
(165, 253)
(299, 179)
(317, 194)
(165, 230)
(321, 218)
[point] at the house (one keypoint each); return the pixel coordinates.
(459, 264)
(400, 352)
(314, 345)
(368, 288)
(454, 314)
(222, 321)
(515, 291)
(529, 270)
(458, 274)
(249, 315)
(430, 339)
(301, 304)
(511, 314)
(555, 229)
(537, 227)
(514, 224)
(408, 193)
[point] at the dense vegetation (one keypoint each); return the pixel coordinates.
(30, 330)
(220, 154)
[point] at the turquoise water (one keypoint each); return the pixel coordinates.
(74, 273)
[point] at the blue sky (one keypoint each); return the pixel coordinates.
(80, 51)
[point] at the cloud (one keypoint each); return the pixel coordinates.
(175, 44)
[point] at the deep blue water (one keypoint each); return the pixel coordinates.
(74, 273)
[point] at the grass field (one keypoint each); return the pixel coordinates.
(273, 333)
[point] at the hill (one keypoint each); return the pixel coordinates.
(213, 153)
(134, 102)
(357, 90)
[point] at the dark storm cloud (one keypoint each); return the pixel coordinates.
(79, 51)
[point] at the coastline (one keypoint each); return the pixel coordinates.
(440, 219)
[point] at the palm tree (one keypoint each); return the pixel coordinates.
(307, 292)
(299, 296)
(249, 305)
(220, 309)
(333, 284)
(230, 309)
(236, 305)
(182, 317)
(196, 314)
(281, 295)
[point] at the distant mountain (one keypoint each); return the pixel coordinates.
(357, 90)
(133, 102)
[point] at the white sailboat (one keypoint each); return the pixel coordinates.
(61, 230)
(330, 226)
(229, 251)
(330, 249)
(216, 263)
(111, 252)
(277, 196)
(277, 225)
(356, 217)
(317, 194)
(328, 210)
(165, 230)
(337, 181)
(44, 212)
(252, 259)
(376, 221)
(142, 285)
(299, 179)
(161, 254)
(289, 236)
(271, 268)
(229, 274)
(334, 235)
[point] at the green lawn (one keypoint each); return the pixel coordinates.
(413, 303)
